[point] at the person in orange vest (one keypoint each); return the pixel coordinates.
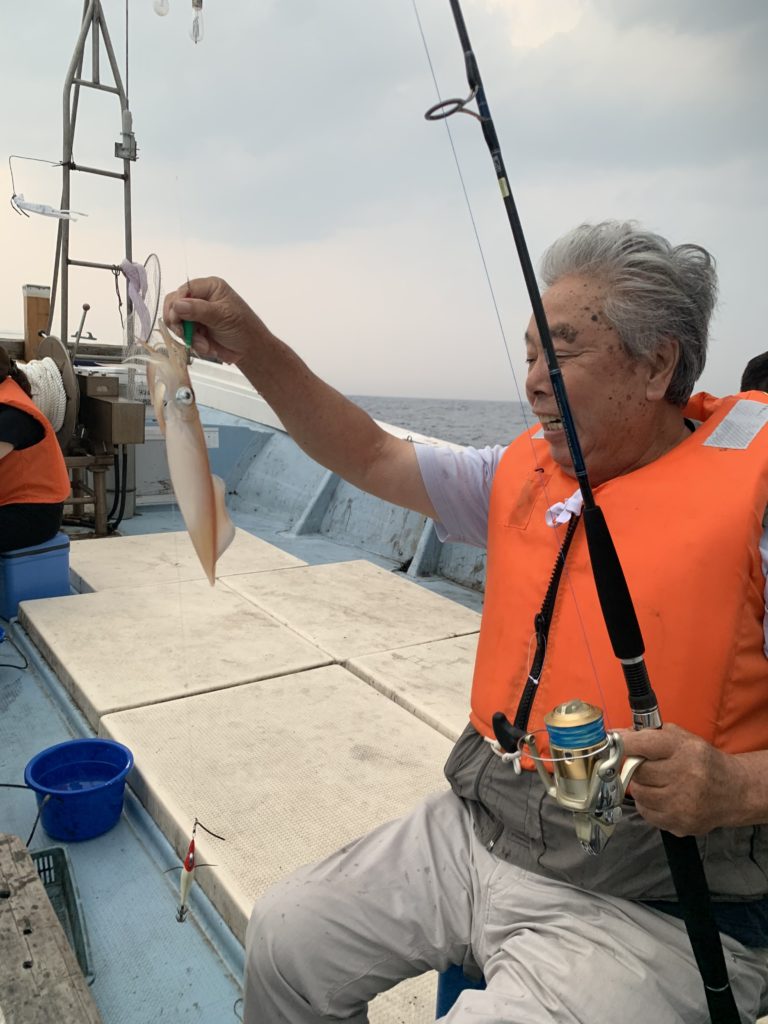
(33, 475)
(491, 873)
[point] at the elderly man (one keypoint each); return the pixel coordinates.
(491, 872)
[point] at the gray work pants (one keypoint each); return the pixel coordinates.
(421, 893)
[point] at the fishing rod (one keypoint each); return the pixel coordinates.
(613, 592)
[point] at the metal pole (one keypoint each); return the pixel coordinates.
(93, 21)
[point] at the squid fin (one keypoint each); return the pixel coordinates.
(225, 528)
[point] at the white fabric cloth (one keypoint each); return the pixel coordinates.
(136, 276)
(561, 511)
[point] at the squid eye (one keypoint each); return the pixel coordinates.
(185, 396)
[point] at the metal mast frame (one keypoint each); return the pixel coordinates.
(93, 24)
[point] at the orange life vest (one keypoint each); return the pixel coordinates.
(35, 475)
(686, 528)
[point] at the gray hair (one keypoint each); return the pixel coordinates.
(655, 291)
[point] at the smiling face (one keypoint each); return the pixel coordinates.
(622, 419)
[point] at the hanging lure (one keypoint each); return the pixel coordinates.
(196, 32)
(24, 206)
(162, 7)
(188, 869)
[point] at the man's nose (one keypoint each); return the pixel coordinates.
(537, 381)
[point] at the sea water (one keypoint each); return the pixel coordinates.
(460, 420)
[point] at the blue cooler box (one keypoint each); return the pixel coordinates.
(29, 573)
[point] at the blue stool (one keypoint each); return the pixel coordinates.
(449, 985)
(41, 570)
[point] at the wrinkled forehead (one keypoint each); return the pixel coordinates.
(574, 310)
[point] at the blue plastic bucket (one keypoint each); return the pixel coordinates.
(79, 786)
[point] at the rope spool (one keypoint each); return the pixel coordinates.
(48, 392)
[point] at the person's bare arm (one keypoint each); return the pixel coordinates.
(324, 423)
(334, 431)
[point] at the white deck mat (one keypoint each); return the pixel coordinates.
(120, 649)
(287, 770)
(354, 608)
(101, 563)
(432, 681)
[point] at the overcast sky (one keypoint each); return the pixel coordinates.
(288, 152)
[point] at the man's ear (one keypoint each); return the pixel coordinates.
(662, 366)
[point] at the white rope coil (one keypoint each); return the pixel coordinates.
(48, 392)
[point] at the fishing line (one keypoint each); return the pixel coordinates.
(188, 326)
(182, 232)
(190, 780)
(178, 516)
(557, 528)
(475, 230)
(191, 770)
(615, 600)
(145, 286)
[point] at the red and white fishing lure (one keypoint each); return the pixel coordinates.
(188, 869)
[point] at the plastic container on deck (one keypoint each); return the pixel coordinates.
(79, 786)
(26, 574)
(55, 872)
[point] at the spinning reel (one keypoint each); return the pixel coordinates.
(587, 775)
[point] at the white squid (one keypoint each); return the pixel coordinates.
(199, 494)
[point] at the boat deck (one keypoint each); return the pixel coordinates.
(307, 697)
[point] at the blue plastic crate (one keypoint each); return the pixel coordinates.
(38, 571)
